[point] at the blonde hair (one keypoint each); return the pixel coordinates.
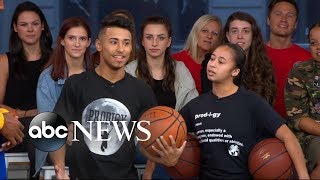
(191, 44)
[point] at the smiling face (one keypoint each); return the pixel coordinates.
(114, 45)
(240, 33)
(208, 36)
(282, 19)
(28, 27)
(155, 40)
(221, 67)
(75, 43)
(314, 37)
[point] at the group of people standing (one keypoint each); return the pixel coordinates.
(229, 71)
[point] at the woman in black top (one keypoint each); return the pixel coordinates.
(29, 50)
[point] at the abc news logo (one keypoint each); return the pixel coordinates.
(49, 131)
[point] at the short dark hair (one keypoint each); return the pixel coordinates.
(117, 21)
(317, 24)
(274, 2)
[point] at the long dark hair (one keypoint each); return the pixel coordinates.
(58, 59)
(260, 76)
(15, 44)
(143, 71)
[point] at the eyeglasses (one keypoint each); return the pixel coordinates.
(207, 32)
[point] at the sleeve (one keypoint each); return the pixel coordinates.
(185, 113)
(187, 83)
(267, 119)
(205, 82)
(296, 99)
(45, 101)
(66, 103)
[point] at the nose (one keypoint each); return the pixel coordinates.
(283, 17)
(240, 36)
(154, 42)
(77, 43)
(120, 47)
(30, 28)
(209, 35)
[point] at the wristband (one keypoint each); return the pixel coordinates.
(2, 111)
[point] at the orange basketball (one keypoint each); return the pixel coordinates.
(188, 165)
(269, 159)
(164, 121)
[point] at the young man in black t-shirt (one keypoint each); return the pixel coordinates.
(105, 94)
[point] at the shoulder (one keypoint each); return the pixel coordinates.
(131, 68)
(4, 64)
(45, 74)
(3, 60)
(183, 74)
(249, 96)
(81, 78)
(181, 55)
(135, 81)
(300, 68)
(301, 51)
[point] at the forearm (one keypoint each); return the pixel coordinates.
(58, 157)
(309, 126)
(21, 113)
(294, 149)
(296, 154)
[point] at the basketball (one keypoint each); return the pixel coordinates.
(269, 159)
(188, 165)
(164, 121)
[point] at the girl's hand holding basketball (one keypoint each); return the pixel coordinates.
(169, 155)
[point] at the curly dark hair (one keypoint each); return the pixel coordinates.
(259, 73)
(169, 63)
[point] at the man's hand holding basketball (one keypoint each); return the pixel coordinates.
(12, 131)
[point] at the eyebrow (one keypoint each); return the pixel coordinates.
(31, 22)
(156, 35)
(117, 39)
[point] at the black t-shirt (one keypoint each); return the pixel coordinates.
(164, 98)
(227, 129)
(89, 97)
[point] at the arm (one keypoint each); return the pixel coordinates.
(45, 102)
(294, 150)
(297, 104)
(4, 75)
(58, 160)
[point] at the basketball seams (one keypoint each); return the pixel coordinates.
(267, 162)
(287, 170)
(190, 162)
(253, 151)
(163, 132)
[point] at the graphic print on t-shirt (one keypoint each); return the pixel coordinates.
(216, 135)
(113, 116)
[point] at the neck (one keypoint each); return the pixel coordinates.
(224, 89)
(278, 42)
(75, 66)
(156, 67)
(200, 56)
(33, 52)
(109, 74)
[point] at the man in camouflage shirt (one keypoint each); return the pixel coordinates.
(302, 99)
